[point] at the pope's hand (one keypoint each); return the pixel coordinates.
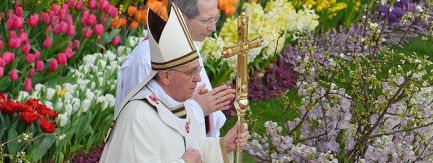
(192, 156)
(235, 138)
(216, 99)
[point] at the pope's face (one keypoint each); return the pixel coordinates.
(203, 24)
(183, 80)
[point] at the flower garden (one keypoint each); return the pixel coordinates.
(334, 80)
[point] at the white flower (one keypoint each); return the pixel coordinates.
(110, 99)
(50, 93)
(63, 119)
(86, 105)
(89, 59)
(68, 108)
(400, 80)
(110, 55)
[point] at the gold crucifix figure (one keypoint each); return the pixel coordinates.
(241, 50)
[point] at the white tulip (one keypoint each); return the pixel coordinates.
(86, 105)
(63, 119)
(50, 93)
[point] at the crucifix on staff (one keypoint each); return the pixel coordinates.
(241, 50)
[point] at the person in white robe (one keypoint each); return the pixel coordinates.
(156, 122)
(201, 16)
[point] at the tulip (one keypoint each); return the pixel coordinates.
(18, 22)
(24, 37)
(26, 49)
(57, 28)
(63, 27)
(53, 65)
(61, 59)
(9, 24)
(46, 18)
(33, 20)
(69, 20)
(91, 4)
(2, 70)
(14, 43)
(70, 3)
(28, 85)
(55, 9)
(37, 55)
(131, 10)
(77, 44)
(87, 32)
(8, 57)
(63, 12)
(30, 58)
(79, 5)
(19, 11)
(31, 73)
(71, 30)
(39, 65)
(47, 42)
(103, 4)
(2, 62)
(1, 44)
(114, 11)
(13, 75)
(91, 20)
(134, 25)
(99, 29)
(116, 40)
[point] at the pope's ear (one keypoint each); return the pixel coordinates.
(164, 77)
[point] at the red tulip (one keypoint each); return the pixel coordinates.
(99, 29)
(47, 42)
(47, 126)
(31, 72)
(30, 58)
(28, 85)
(79, 5)
(13, 75)
(53, 65)
(87, 32)
(91, 4)
(33, 20)
(61, 59)
(116, 40)
(26, 49)
(39, 65)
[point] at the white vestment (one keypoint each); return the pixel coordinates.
(136, 67)
(147, 130)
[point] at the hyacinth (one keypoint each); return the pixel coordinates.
(358, 99)
(277, 17)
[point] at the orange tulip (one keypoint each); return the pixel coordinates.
(229, 10)
(134, 25)
(116, 23)
(132, 10)
(221, 4)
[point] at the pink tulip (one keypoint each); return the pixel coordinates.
(19, 11)
(13, 75)
(69, 52)
(55, 9)
(2, 71)
(91, 20)
(47, 42)
(2, 62)
(24, 37)
(37, 55)
(70, 3)
(30, 58)
(53, 65)
(33, 20)
(18, 22)
(103, 4)
(77, 44)
(14, 43)
(99, 29)
(28, 85)
(116, 40)
(57, 28)
(91, 4)
(69, 20)
(26, 49)
(31, 73)
(63, 27)
(1, 44)
(71, 30)
(104, 20)
(87, 32)
(48, 30)
(46, 18)
(61, 59)
(79, 5)
(63, 12)
(8, 57)
(114, 11)
(39, 65)
(9, 24)
(53, 17)
(84, 18)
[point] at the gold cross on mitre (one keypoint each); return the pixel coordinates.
(241, 50)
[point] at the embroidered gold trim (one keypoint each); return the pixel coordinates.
(175, 62)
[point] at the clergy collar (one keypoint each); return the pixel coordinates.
(157, 90)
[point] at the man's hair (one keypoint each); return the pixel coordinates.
(188, 7)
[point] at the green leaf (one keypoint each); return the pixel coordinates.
(37, 153)
(13, 146)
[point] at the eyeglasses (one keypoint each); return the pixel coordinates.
(191, 72)
(207, 22)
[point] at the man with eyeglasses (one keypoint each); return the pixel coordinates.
(200, 18)
(156, 122)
